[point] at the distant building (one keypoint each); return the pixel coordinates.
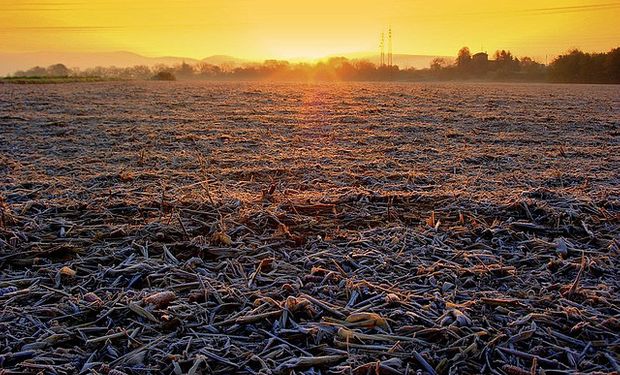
(480, 57)
(480, 63)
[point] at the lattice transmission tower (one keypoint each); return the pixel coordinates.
(382, 49)
(390, 60)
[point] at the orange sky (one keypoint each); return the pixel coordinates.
(259, 29)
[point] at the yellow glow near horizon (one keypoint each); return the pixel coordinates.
(307, 29)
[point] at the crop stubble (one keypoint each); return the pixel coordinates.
(317, 228)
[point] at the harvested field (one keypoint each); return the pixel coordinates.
(254, 228)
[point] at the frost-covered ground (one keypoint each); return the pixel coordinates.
(480, 220)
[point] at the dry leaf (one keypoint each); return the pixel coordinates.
(282, 232)
(431, 220)
(367, 320)
(392, 298)
(125, 176)
(161, 299)
(222, 238)
(93, 299)
(66, 271)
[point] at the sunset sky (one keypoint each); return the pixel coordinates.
(293, 29)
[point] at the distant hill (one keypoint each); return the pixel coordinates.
(11, 62)
(223, 60)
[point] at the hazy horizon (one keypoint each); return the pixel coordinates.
(13, 61)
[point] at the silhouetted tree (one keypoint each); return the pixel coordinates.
(439, 63)
(139, 72)
(580, 67)
(58, 70)
(164, 76)
(344, 70)
(505, 64)
(365, 70)
(37, 71)
(575, 66)
(463, 60)
(205, 70)
(184, 70)
(612, 65)
(531, 69)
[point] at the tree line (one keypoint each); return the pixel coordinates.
(502, 66)
(579, 67)
(575, 66)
